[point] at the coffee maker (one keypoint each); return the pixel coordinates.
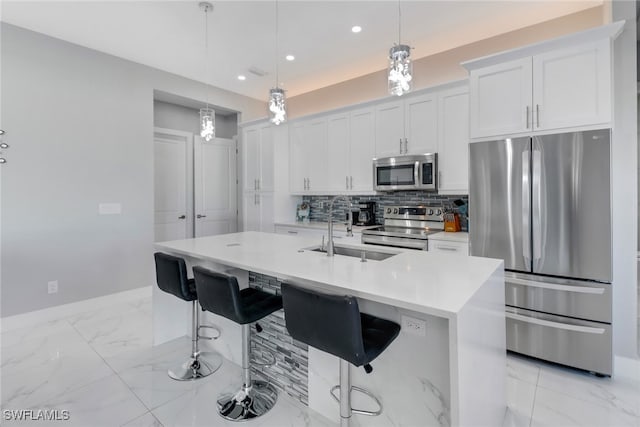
(364, 213)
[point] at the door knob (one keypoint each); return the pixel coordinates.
(3, 160)
(4, 145)
(1, 132)
(201, 216)
(182, 217)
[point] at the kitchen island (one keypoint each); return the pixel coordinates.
(447, 367)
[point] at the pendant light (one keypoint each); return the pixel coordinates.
(277, 106)
(400, 66)
(207, 115)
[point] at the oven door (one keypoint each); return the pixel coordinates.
(390, 176)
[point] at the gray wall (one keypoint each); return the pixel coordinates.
(80, 126)
(178, 117)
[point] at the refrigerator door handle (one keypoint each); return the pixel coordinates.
(536, 214)
(557, 325)
(556, 287)
(526, 207)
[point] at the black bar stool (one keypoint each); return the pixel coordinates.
(171, 276)
(334, 324)
(220, 294)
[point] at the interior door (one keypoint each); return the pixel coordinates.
(571, 205)
(170, 185)
(215, 196)
(499, 201)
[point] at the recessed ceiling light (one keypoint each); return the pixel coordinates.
(290, 57)
(241, 77)
(356, 29)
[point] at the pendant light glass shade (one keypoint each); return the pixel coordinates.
(207, 123)
(277, 106)
(400, 70)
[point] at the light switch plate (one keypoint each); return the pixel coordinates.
(52, 287)
(109, 208)
(414, 326)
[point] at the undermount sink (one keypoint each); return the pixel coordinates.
(355, 253)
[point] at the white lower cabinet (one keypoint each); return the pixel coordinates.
(449, 247)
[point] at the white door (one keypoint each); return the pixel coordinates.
(501, 99)
(421, 124)
(453, 150)
(338, 152)
(215, 186)
(251, 152)
(362, 150)
(170, 185)
(571, 87)
(390, 129)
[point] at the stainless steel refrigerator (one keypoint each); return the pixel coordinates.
(543, 205)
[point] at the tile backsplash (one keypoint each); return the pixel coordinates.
(319, 205)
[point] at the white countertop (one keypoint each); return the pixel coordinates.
(460, 236)
(426, 282)
(322, 225)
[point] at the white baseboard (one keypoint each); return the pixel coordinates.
(625, 367)
(33, 318)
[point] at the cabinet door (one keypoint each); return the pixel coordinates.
(338, 152)
(421, 124)
(571, 87)
(251, 157)
(316, 154)
(297, 158)
(265, 209)
(362, 150)
(265, 179)
(389, 129)
(453, 141)
(501, 99)
(250, 212)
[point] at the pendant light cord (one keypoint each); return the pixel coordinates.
(206, 58)
(277, 44)
(399, 24)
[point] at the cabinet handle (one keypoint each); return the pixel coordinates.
(308, 183)
(527, 117)
(292, 232)
(346, 182)
(182, 217)
(4, 145)
(446, 248)
(538, 115)
(400, 145)
(351, 182)
(201, 216)
(406, 148)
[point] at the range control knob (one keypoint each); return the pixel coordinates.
(438, 212)
(430, 212)
(395, 210)
(388, 210)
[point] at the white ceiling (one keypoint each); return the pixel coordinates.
(169, 35)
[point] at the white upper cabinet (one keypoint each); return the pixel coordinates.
(559, 89)
(297, 158)
(571, 87)
(308, 144)
(361, 150)
(338, 151)
(257, 155)
(407, 126)
(453, 141)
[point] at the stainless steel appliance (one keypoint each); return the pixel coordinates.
(406, 227)
(406, 173)
(365, 213)
(542, 204)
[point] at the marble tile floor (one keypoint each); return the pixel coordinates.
(102, 368)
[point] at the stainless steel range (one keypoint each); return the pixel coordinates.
(406, 227)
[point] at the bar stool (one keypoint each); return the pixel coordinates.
(220, 294)
(334, 324)
(171, 276)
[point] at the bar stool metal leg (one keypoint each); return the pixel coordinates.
(344, 399)
(200, 364)
(254, 398)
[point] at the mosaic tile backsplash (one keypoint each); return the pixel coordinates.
(290, 374)
(319, 205)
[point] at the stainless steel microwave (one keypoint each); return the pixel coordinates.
(417, 172)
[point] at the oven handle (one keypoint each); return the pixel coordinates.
(556, 325)
(399, 242)
(556, 287)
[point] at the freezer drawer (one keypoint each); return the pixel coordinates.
(573, 298)
(581, 344)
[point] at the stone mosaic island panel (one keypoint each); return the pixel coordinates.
(290, 374)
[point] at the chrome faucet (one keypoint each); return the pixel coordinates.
(349, 222)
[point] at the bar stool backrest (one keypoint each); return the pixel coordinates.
(219, 293)
(171, 276)
(330, 323)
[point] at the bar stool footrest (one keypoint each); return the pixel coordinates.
(205, 337)
(366, 393)
(203, 365)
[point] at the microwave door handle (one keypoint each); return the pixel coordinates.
(526, 207)
(417, 174)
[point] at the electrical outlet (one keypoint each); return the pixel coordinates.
(414, 326)
(52, 286)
